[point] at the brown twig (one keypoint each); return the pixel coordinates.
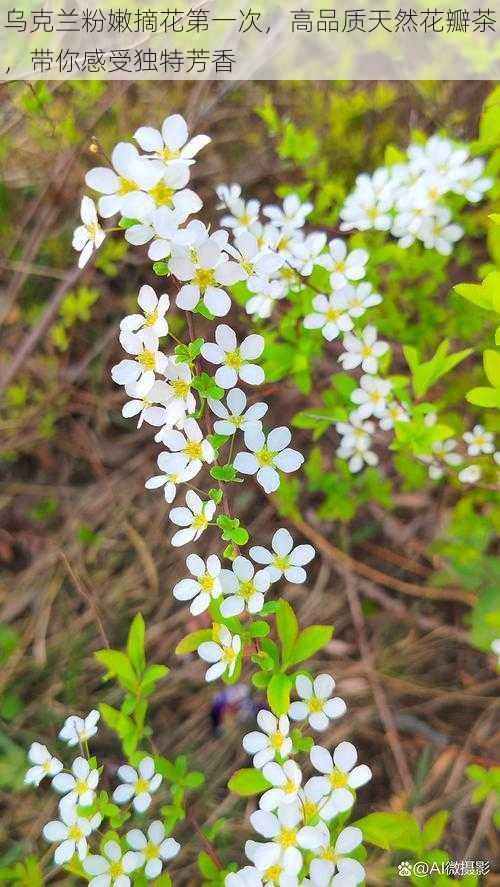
(87, 597)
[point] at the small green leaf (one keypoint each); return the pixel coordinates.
(216, 495)
(225, 473)
(135, 644)
(259, 629)
(434, 828)
(287, 628)
(202, 309)
(193, 640)
(248, 782)
(484, 397)
(161, 269)
(309, 641)
(128, 223)
(491, 361)
(278, 694)
(391, 831)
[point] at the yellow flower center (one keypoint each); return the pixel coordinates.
(162, 194)
(200, 522)
(281, 563)
(207, 582)
(248, 267)
(151, 318)
(234, 359)
(367, 350)
(376, 396)
(333, 314)
(141, 786)
(173, 478)
(329, 854)
(340, 266)
(204, 277)
(246, 590)
(310, 810)
(288, 838)
(81, 787)
(372, 213)
(151, 851)
(193, 449)
(237, 421)
(92, 229)
(315, 704)
(46, 766)
(272, 873)
(229, 655)
(480, 440)
(169, 153)
(181, 387)
(290, 787)
(275, 740)
(126, 186)
(116, 869)
(338, 779)
(433, 193)
(244, 219)
(288, 274)
(147, 359)
(265, 456)
(75, 833)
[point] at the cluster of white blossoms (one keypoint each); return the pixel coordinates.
(382, 201)
(72, 831)
(300, 825)
(407, 198)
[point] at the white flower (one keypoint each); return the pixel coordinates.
(71, 833)
(131, 175)
(371, 396)
(153, 317)
(262, 304)
(357, 454)
(168, 192)
(354, 431)
(205, 587)
(245, 877)
(112, 869)
(367, 206)
(146, 405)
(266, 455)
(89, 236)
(284, 559)
(394, 412)
(479, 441)
(171, 145)
(204, 269)
(274, 740)
(292, 215)
(330, 315)
(179, 401)
(329, 859)
(148, 361)
(317, 706)
(243, 588)
(284, 841)
(233, 417)
(79, 786)
(437, 233)
(77, 730)
(190, 442)
(153, 850)
(177, 468)
(162, 226)
(359, 298)
(443, 450)
(470, 181)
(365, 350)
(138, 784)
(243, 214)
(44, 764)
(340, 775)
(470, 475)
(234, 359)
(344, 266)
(256, 265)
(307, 252)
(194, 518)
(286, 780)
(223, 655)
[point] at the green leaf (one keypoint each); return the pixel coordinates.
(278, 694)
(287, 627)
(231, 530)
(434, 828)
(427, 373)
(161, 269)
(128, 223)
(225, 472)
(216, 495)
(118, 666)
(192, 641)
(484, 397)
(309, 641)
(135, 644)
(491, 361)
(259, 629)
(207, 866)
(391, 831)
(218, 440)
(248, 782)
(206, 386)
(202, 309)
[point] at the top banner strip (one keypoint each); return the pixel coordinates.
(236, 40)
